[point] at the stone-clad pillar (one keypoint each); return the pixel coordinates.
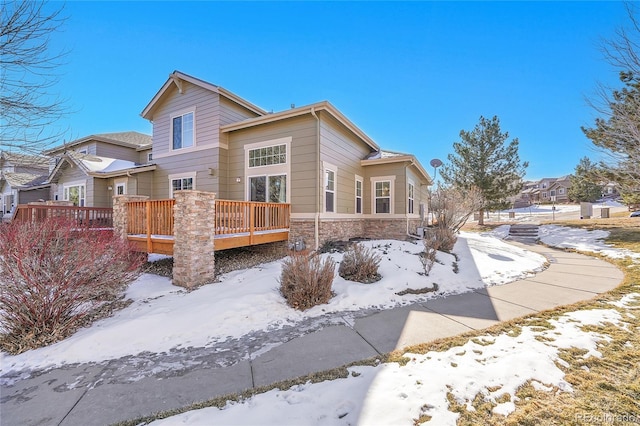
(120, 213)
(193, 248)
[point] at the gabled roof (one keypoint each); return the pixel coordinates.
(24, 160)
(387, 157)
(176, 78)
(294, 112)
(102, 167)
(20, 180)
(134, 140)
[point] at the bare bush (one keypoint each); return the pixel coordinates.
(53, 277)
(444, 238)
(428, 256)
(360, 264)
(452, 207)
(306, 280)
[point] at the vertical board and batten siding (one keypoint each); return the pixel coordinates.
(115, 151)
(303, 158)
(344, 150)
(210, 112)
(399, 189)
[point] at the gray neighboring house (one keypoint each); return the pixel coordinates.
(22, 180)
(339, 182)
(89, 171)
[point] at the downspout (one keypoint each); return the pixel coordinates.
(319, 186)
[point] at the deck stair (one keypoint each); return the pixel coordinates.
(528, 232)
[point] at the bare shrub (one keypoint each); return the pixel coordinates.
(452, 207)
(53, 277)
(445, 238)
(428, 256)
(306, 280)
(360, 264)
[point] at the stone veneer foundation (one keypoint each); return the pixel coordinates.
(345, 229)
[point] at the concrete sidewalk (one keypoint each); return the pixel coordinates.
(90, 394)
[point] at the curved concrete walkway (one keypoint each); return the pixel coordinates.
(84, 395)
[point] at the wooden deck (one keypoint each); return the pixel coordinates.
(235, 224)
(84, 217)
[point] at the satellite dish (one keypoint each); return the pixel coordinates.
(435, 163)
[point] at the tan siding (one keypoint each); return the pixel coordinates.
(399, 189)
(144, 183)
(100, 195)
(198, 161)
(302, 182)
(230, 112)
(115, 151)
(340, 148)
(142, 156)
(206, 104)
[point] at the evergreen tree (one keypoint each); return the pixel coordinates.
(484, 160)
(616, 133)
(584, 186)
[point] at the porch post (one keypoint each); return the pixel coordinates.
(120, 217)
(193, 230)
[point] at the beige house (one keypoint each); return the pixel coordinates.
(89, 171)
(340, 184)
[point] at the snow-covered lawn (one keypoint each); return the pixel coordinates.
(163, 317)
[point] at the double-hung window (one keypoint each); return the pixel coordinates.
(358, 195)
(182, 130)
(410, 198)
(382, 194)
(330, 188)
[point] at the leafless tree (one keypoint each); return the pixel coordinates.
(452, 206)
(29, 71)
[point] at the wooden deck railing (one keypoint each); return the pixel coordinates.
(85, 217)
(239, 223)
(150, 217)
(233, 217)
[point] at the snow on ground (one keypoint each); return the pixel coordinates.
(394, 394)
(163, 316)
(582, 240)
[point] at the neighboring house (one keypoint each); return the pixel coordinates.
(91, 170)
(610, 190)
(545, 190)
(559, 189)
(340, 184)
(21, 180)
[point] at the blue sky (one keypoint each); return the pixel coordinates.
(410, 74)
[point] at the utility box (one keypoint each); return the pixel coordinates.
(604, 212)
(586, 210)
(512, 215)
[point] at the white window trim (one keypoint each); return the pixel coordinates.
(150, 156)
(67, 185)
(392, 179)
(271, 170)
(267, 176)
(411, 184)
(122, 183)
(333, 168)
(194, 146)
(355, 189)
(181, 176)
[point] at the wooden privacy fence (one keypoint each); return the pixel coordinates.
(84, 217)
(150, 224)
